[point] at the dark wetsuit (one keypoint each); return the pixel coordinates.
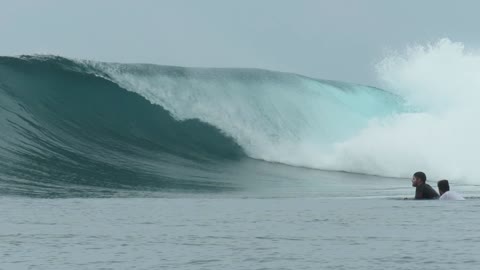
(425, 191)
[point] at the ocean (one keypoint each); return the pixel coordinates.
(238, 233)
(142, 166)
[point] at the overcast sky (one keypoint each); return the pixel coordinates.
(335, 39)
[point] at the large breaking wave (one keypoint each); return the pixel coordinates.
(92, 124)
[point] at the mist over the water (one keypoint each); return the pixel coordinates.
(440, 83)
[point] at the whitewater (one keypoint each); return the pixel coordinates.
(423, 120)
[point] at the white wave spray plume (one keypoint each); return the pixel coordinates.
(441, 82)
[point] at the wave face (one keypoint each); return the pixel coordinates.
(70, 125)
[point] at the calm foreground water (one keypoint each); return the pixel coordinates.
(213, 232)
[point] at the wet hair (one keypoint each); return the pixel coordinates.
(443, 185)
(421, 176)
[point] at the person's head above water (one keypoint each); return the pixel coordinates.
(418, 179)
(443, 186)
(422, 189)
